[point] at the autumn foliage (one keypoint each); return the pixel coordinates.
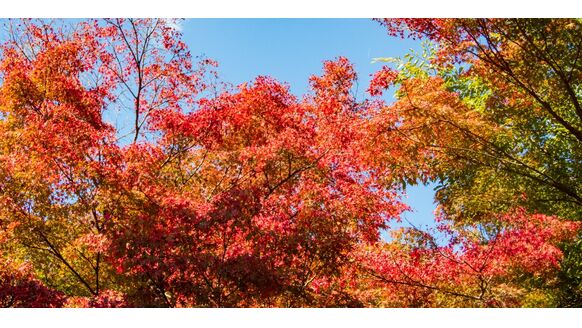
(205, 195)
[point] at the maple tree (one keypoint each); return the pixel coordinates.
(131, 177)
(515, 84)
(494, 106)
(510, 262)
(59, 158)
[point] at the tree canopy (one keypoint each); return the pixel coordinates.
(250, 196)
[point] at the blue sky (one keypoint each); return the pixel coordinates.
(291, 50)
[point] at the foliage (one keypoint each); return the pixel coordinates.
(512, 91)
(211, 196)
(495, 105)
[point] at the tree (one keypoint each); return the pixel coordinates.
(495, 106)
(60, 159)
(19, 288)
(240, 199)
(248, 196)
(519, 78)
(511, 262)
(254, 196)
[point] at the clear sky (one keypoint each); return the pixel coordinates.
(291, 50)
